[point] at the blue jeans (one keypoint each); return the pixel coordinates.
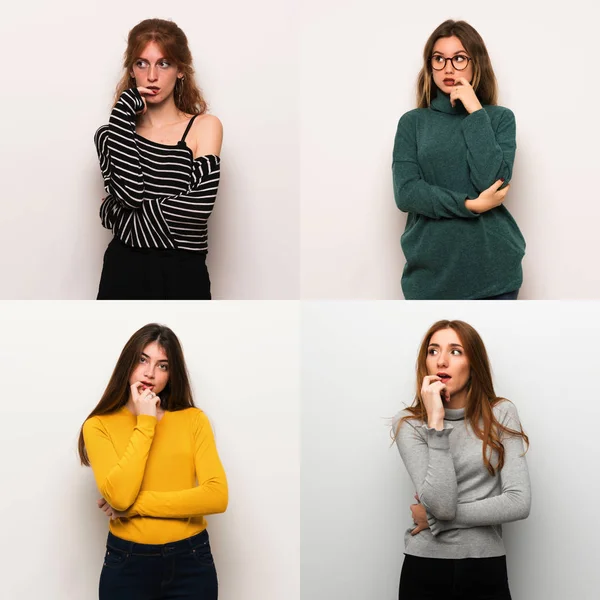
(505, 296)
(182, 570)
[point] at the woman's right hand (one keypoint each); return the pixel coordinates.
(144, 400)
(432, 392)
(489, 198)
(144, 91)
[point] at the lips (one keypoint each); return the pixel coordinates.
(154, 89)
(444, 377)
(147, 385)
(449, 81)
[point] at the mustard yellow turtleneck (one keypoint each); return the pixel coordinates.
(165, 474)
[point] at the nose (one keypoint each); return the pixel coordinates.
(152, 71)
(149, 371)
(442, 360)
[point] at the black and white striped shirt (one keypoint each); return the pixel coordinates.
(159, 196)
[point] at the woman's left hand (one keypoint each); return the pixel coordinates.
(109, 510)
(463, 91)
(419, 515)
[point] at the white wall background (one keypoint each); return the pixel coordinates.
(65, 61)
(359, 64)
(56, 359)
(358, 370)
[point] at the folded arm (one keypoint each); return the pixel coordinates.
(412, 193)
(490, 154)
(210, 496)
(426, 455)
(119, 478)
(514, 501)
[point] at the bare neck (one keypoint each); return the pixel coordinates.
(161, 115)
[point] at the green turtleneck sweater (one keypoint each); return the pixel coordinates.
(443, 156)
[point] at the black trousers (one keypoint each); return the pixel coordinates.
(182, 570)
(454, 579)
(140, 274)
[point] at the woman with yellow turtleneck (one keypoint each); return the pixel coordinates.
(156, 465)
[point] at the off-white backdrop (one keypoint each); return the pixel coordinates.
(358, 370)
(359, 64)
(65, 61)
(56, 359)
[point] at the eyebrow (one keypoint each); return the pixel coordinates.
(438, 346)
(457, 52)
(161, 360)
(157, 60)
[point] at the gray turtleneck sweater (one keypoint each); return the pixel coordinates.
(465, 504)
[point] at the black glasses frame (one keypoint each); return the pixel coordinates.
(451, 59)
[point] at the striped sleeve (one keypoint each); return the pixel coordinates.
(118, 152)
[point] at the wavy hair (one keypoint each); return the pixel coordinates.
(484, 80)
(481, 397)
(177, 394)
(174, 45)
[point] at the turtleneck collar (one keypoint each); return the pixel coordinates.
(454, 414)
(441, 103)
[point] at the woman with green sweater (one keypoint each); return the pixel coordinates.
(452, 164)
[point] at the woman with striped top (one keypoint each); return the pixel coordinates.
(159, 156)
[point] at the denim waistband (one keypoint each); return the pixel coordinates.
(171, 548)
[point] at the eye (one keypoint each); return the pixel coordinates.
(140, 64)
(437, 58)
(456, 352)
(164, 64)
(142, 359)
(164, 367)
(432, 351)
(460, 58)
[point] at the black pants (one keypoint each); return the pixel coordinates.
(184, 570)
(454, 579)
(140, 274)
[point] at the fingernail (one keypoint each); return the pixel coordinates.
(502, 179)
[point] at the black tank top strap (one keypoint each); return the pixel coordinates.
(187, 129)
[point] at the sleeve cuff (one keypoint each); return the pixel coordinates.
(438, 439)
(434, 524)
(133, 97)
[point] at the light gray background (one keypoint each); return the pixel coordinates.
(63, 63)
(359, 65)
(55, 361)
(358, 371)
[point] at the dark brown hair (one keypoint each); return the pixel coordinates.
(484, 81)
(177, 394)
(481, 397)
(174, 44)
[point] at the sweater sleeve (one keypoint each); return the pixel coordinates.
(120, 163)
(118, 152)
(210, 496)
(490, 154)
(412, 193)
(514, 501)
(119, 478)
(426, 456)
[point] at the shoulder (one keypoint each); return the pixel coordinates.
(504, 410)
(208, 125)
(499, 113)
(404, 418)
(194, 415)
(207, 135)
(411, 116)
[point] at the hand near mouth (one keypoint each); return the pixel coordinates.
(463, 91)
(144, 91)
(432, 392)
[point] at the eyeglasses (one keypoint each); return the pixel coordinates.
(460, 62)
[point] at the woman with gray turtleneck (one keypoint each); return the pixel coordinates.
(463, 448)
